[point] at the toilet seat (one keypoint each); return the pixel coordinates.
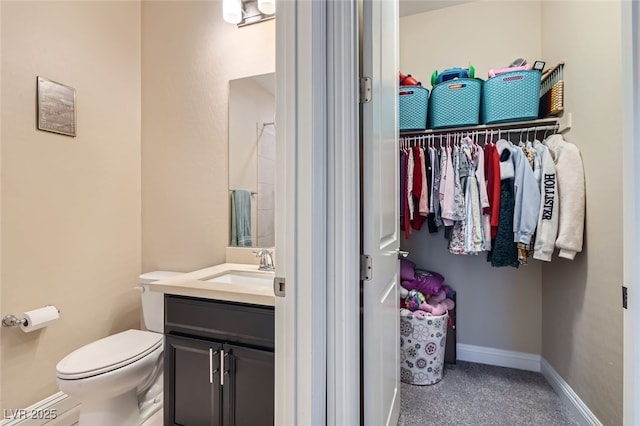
(108, 354)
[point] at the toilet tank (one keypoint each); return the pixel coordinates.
(153, 302)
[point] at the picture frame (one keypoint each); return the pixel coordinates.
(56, 107)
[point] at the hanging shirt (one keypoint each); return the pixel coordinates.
(492, 164)
(423, 208)
(410, 166)
(547, 228)
(416, 190)
(571, 195)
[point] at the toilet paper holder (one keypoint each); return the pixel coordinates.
(12, 320)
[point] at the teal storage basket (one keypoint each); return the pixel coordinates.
(412, 108)
(455, 103)
(512, 96)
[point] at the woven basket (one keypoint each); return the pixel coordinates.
(455, 103)
(412, 107)
(552, 89)
(512, 96)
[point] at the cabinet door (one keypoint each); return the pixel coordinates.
(248, 387)
(192, 394)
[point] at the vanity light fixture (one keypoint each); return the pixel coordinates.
(247, 12)
(232, 11)
(267, 7)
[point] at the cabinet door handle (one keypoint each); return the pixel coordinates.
(222, 368)
(211, 370)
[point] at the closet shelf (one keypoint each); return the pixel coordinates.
(544, 123)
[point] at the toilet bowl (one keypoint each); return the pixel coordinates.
(118, 379)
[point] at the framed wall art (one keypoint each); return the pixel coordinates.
(56, 107)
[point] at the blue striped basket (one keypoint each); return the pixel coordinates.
(512, 96)
(455, 103)
(412, 108)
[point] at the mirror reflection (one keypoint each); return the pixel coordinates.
(252, 155)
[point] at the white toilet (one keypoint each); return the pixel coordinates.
(118, 379)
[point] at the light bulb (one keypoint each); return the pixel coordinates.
(232, 11)
(267, 7)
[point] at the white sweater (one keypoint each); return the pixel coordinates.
(547, 229)
(571, 195)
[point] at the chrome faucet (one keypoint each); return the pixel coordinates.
(266, 261)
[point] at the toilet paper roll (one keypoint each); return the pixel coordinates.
(39, 318)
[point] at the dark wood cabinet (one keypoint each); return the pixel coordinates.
(192, 379)
(248, 387)
(219, 363)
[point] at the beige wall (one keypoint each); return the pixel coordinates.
(497, 307)
(70, 206)
(582, 314)
(189, 56)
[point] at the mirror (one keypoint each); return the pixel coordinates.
(252, 161)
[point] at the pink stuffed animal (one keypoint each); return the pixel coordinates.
(437, 304)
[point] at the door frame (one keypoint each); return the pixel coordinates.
(317, 199)
(300, 380)
(630, 16)
(300, 340)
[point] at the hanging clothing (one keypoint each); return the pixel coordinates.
(547, 229)
(571, 192)
(447, 188)
(504, 250)
(417, 189)
(423, 205)
(460, 174)
(405, 222)
(435, 195)
(410, 170)
(496, 197)
(492, 163)
(485, 217)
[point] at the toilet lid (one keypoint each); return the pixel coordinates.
(108, 354)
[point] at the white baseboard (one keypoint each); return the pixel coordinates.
(578, 408)
(40, 413)
(498, 357)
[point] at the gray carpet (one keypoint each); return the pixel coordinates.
(477, 394)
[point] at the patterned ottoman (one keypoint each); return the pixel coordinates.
(422, 346)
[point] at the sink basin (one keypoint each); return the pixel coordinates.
(260, 278)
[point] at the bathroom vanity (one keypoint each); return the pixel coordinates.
(219, 347)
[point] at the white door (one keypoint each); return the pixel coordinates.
(380, 214)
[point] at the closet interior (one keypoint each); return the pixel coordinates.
(563, 318)
(498, 308)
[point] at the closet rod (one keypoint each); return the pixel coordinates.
(540, 124)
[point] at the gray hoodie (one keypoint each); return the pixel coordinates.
(527, 198)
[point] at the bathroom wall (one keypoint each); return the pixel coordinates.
(70, 206)
(189, 54)
(497, 307)
(582, 326)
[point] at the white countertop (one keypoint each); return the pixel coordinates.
(194, 284)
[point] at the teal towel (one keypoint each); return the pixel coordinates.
(241, 218)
